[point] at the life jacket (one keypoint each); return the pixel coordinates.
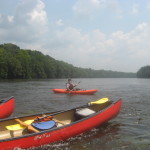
(71, 86)
(43, 119)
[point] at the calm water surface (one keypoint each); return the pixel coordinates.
(130, 130)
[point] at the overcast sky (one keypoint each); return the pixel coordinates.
(98, 34)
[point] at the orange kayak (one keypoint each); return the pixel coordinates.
(75, 91)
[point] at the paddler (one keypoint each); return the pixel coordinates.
(70, 86)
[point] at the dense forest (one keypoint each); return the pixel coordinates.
(16, 63)
(144, 72)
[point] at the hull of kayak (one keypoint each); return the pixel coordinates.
(7, 107)
(21, 138)
(75, 91)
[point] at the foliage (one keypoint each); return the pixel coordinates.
(144, 72)
(16, 63)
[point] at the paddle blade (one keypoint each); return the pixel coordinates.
(18, 126)
(100, 101)
(14, 127)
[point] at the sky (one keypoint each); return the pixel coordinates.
(97, 34)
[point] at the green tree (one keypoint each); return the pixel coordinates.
(144, 72)
(16, 63)
(3, 64)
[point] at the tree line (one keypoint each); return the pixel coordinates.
(16, 63)
(144, 72)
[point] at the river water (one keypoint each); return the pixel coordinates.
(130, 130)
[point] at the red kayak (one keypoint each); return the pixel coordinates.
(28, 132)
(7, 107)
(75, 91)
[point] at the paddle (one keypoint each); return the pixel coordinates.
(100, 101)
(77, 83)
(58, 121)
(76, 89)
(18, 126)
(22, 124)
(29, 127)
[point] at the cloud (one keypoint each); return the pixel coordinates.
(37, 14)
(135, 9)
(89, 8)
(148, 5)
(27, 24)
(84, 8)
(59, 22)
(120, 50)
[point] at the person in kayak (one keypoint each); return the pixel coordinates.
(70, 86)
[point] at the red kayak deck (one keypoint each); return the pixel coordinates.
(7, 107)
(75, 91)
